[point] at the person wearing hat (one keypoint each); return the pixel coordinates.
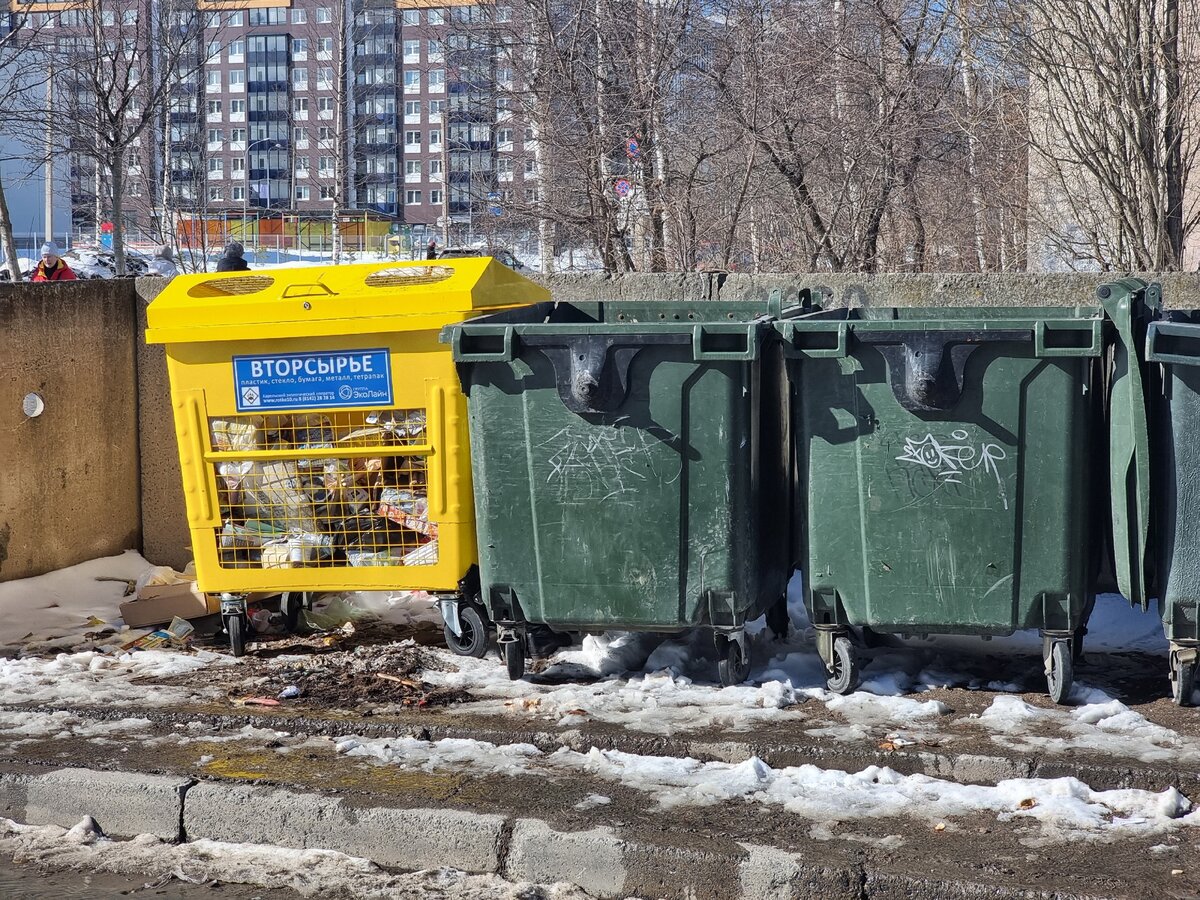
(233, 260)
(163, 263)
(52, 267)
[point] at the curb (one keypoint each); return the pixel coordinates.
(598, 860)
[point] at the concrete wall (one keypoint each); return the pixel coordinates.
(165, 537)
(69, 484)
(70, 488)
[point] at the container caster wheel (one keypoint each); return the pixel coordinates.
(290, 605)
(473, 640)
(1059, 671)
(235, 627)
(843, 674)
(1183, 680)
(514, 658)
(733, 666)
(778, 619)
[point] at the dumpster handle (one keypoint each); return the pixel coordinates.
(925, 368)
(1174, 343)
(718, 341)
(1042, 348)
(483, 343)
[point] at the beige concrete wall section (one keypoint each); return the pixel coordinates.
(1180, 290)
(69, 477)
(166, 540)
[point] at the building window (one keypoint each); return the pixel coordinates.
(435, 169)
(530, 168)
(325, 45)
(214, 51)
(212, 78)
(435, 17)
(324, 16)
(299, 16)
(299, 46)
(412, 139)
(325, 104)
(237, 49)
(325, 78)
(237, 135)
(411, 17)
(504, 136)
(237, 79)
(214, 193)
(412, 51)
(237, 193)
(129, 17)
(437, 80)
(300, 104)
(215, 136)
(437, 107)
(237, 166)
(213, 20)
(214, 108)
(327, 192)
(325, 165)
(303, 163)
(237, 106)
(412, 82)
(216, 167)
(302, 192)
(412, 108)
(436, 49)
(298, 135)
(325, 133)
(235, 19)
(300, 78)
(435, 197)
(412, 170)
(412, 198)
(435, 137)
(504, 168)
(273, 16)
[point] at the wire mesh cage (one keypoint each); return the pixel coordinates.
(323, 490)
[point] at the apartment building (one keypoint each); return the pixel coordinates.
(297, 108)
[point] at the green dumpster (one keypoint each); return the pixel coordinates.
(945, 466)
(631, 469)
(1155, 419)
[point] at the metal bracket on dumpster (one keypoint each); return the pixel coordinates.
(449, 608)
(925, 368)
(593, 370)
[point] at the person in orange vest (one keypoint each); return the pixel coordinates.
(52, 267)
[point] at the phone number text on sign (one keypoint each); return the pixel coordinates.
(323, 380)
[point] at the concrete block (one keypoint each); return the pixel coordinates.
(768, 873)
(594, 860)
(124, 804)
(401, 838)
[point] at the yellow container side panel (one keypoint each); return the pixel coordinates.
(322, 498)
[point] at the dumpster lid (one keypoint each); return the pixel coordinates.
(328, 299)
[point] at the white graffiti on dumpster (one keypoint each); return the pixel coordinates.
(950, 459)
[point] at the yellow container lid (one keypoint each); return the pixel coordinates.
(333, 300)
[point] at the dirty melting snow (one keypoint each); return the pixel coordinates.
(308, 872)
(1061, 809)
(97, 678)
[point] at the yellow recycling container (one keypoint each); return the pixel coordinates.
(322, 431)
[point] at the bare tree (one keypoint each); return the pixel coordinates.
(1112, 125)
(119, 73)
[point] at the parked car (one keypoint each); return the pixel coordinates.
(504, 256)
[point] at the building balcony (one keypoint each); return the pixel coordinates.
(280, 174)
(267, 87)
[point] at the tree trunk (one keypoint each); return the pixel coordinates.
(970, 91)
(117, 173)
(1174, 173)
(6, 237)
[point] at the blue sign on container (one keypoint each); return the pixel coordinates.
(335, 379)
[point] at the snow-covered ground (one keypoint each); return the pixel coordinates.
(309, 872)
(658, 685)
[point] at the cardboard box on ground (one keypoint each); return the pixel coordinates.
(361, 510)
(163, 594)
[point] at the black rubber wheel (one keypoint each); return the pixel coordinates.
(1183, 682)
(290, 605)
(1060, 675)
(733, 666)
(474, 638)
(235, 627)
(778, 619)
(514, 658)
(843, 676)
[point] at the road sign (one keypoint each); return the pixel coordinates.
(622, 187)
(632, 148)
